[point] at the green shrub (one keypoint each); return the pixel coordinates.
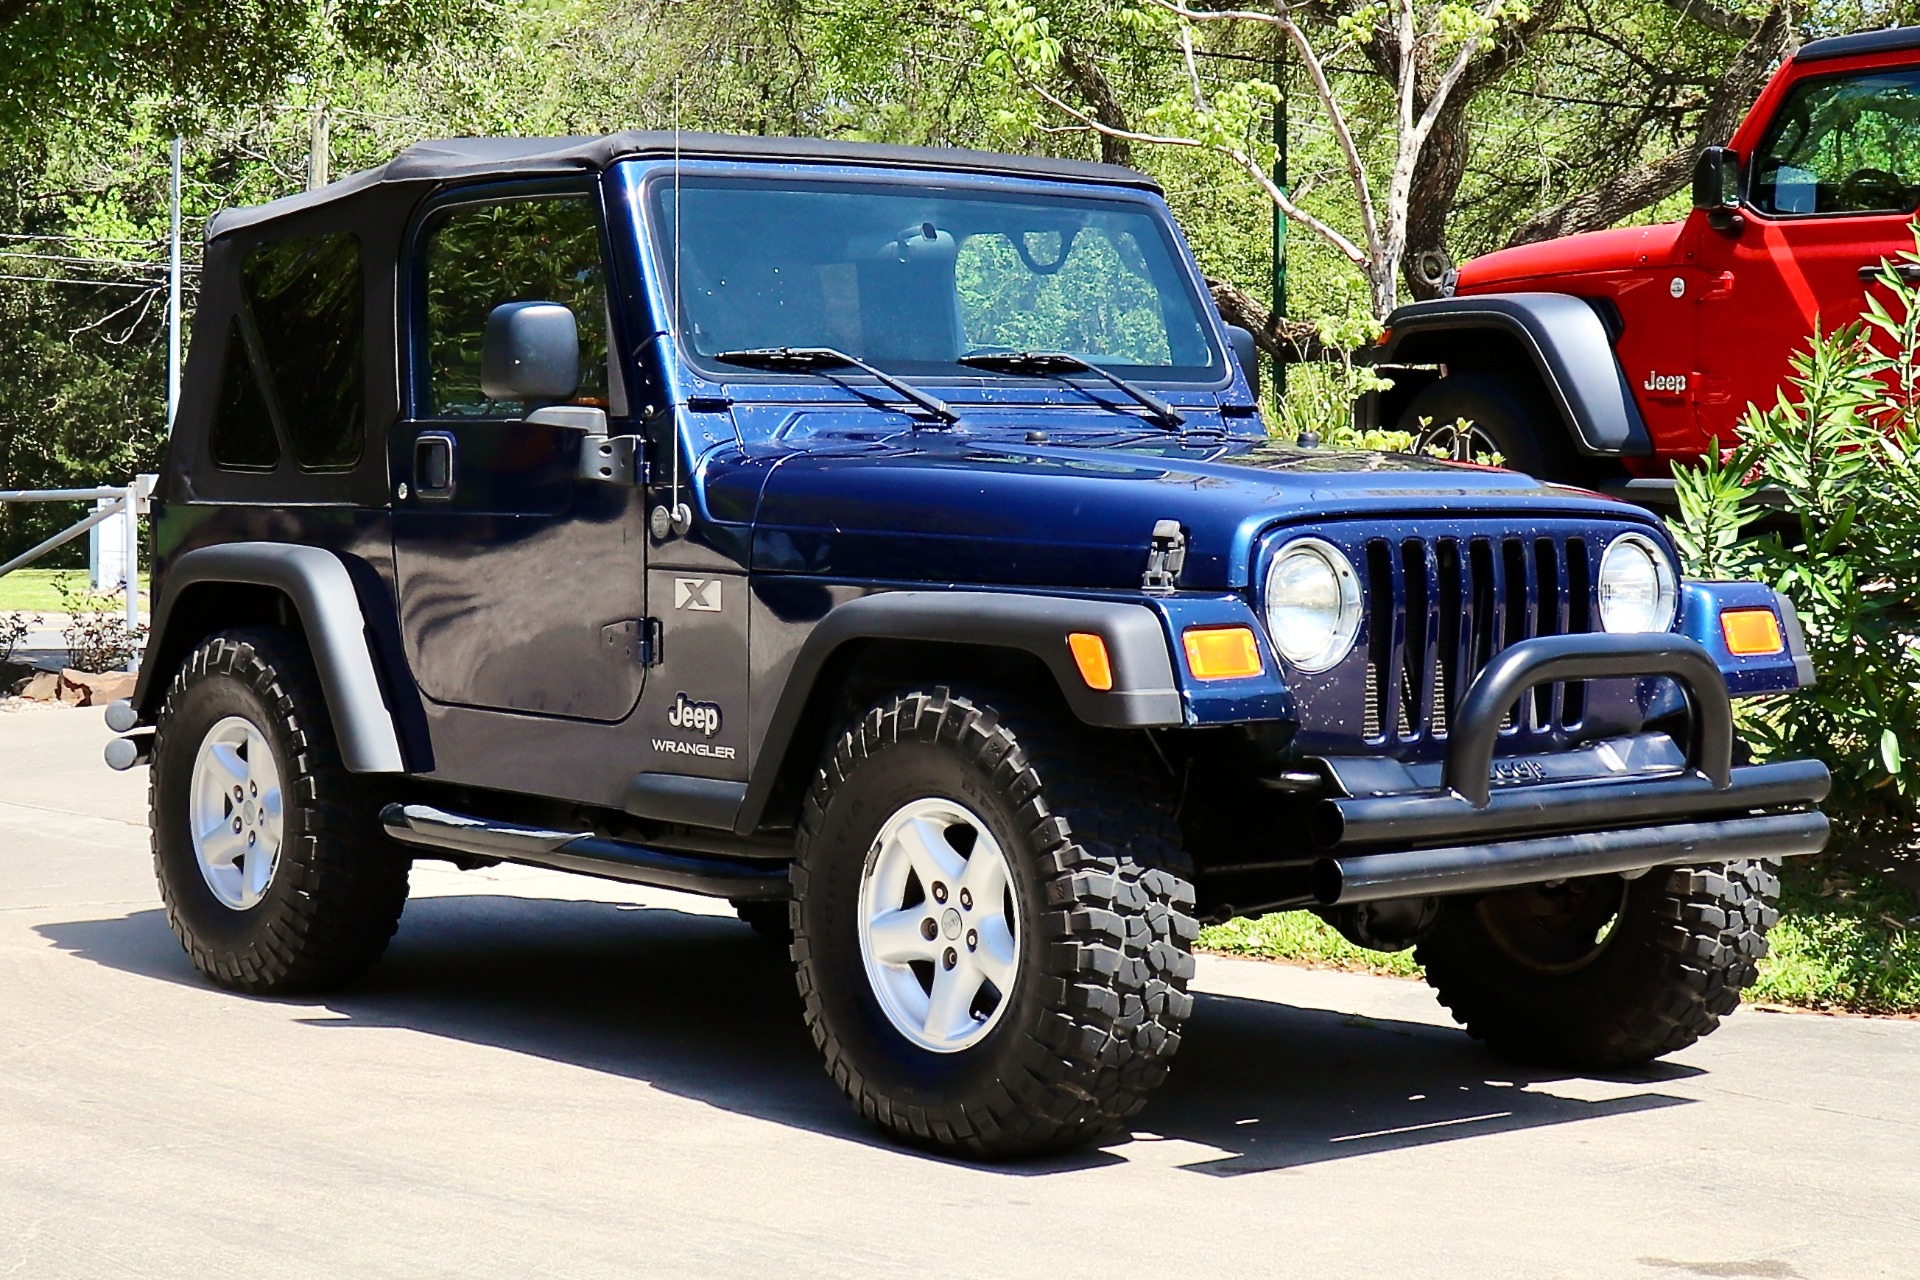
(1840, 450)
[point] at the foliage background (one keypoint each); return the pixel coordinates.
(90, 91)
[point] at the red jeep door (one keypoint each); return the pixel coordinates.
(1833, 179)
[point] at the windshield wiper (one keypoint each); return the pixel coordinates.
(1043, 364)
(821, 358)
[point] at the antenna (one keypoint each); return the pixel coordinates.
(676, 518)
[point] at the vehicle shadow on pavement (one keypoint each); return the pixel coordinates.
(699, 1006)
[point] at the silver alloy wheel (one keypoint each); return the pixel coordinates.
(1459, 441)
(234, 812)
(939, 926)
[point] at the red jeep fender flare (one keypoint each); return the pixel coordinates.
(1563, 337)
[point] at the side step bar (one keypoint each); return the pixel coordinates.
(1477, 868)
(584, 852)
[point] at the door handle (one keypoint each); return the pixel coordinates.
(433, 474)
(1905, 272)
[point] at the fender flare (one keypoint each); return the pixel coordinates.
(1146, 691)
(1567, 342)
(322, 593)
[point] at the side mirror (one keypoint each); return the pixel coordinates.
(1716, 187)
(1247, 352)
(530, 353)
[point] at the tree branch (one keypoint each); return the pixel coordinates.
(1643, 184)
(1240, 158)
(1288, 341)
(1323, 89)
(1715, 18)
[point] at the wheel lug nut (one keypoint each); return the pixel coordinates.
(951, 959)
(236, 824)
(253, 836)
(237, 794)
(973, 940)
(253, 788)
(939, 892)
(966, 899)
(928, 929)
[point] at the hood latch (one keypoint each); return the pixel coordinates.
(1165, 557)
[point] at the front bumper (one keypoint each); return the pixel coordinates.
(1654, 803)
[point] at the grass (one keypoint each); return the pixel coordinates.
(36, 590)
(1303, 938)
(1846, 942)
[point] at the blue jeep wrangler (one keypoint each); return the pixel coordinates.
(886, 540)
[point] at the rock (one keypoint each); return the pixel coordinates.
(41, 686)
(87, 689)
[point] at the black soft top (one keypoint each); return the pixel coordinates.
(428, 164)
(1860, 42)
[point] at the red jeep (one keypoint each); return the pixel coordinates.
(1604, 358)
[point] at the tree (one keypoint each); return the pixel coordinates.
(1427, 48)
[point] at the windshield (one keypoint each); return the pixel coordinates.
(911, 277)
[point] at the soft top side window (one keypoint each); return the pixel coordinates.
(476, 257)
(242, 438)
(308, 304)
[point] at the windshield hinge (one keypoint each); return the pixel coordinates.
(1166, 557)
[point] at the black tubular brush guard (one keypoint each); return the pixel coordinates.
(1564, 829)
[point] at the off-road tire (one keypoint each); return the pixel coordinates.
(340, 884)
(1106, 901)
(1687, 941)
(1516, 417)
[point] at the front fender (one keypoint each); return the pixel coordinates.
(1568, 346)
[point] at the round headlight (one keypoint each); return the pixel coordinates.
(1637, 587)
(1313, 604)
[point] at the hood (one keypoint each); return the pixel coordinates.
(956, 509)
(1620, 249)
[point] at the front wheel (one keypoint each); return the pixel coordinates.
(994, 926)
(1475, 417)
(1602, 972)
(275, 873)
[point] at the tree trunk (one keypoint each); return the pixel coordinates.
(1288, 341)
(1436, 181)
(1103, 104)
(1643, 184)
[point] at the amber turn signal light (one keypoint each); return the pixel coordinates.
(1751, 632)
(1090, 655)
(1221, 653)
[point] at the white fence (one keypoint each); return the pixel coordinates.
(128, 502)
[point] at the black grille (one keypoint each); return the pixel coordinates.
(1441, 608)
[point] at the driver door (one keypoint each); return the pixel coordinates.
(1832, 187)
(521, 585)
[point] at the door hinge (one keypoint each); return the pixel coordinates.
(1165, 557)
(637, 641)
(613, 460)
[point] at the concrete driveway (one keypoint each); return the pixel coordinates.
(556, 1077)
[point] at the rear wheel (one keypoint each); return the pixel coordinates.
(994, 926)
(1603, 972)
(1470, 416)
(274, 870)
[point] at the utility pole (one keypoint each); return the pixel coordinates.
(317, 146)
(173, 298)
(1279, 218)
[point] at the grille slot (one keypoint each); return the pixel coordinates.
(1440, 609)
